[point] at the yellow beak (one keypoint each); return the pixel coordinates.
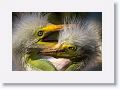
(52, 27)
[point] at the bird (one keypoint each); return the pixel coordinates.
(31, 33)
(80, 42)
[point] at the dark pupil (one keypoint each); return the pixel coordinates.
(40, 33)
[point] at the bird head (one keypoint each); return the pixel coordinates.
(61, 50)
(69, 51)
(45, 37)
(78, 40)
(32, 30)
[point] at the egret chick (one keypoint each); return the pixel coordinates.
(80, 41)
(31, 33)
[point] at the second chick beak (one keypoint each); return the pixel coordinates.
(50, 51)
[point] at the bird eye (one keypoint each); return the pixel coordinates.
(72, 48)
(40, 33)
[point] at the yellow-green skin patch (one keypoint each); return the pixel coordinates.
(43, 65)
(36, 63)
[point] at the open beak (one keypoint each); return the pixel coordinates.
(45, 45)
(53, 32)
(51, 38)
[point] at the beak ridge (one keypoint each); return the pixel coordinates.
(48, 52)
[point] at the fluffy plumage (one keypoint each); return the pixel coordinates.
(23, 35)
(80, 41)
(85, 34)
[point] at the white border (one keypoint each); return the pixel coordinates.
(6, 9)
